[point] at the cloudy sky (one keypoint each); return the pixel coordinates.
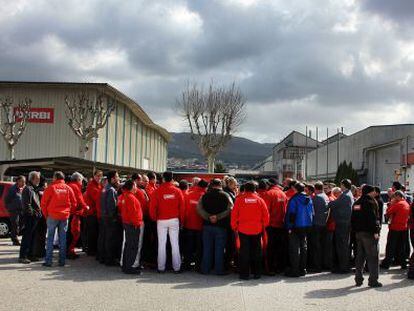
(326, 63)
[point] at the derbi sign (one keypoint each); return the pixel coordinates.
(37, 115)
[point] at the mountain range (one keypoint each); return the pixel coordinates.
(239, 151)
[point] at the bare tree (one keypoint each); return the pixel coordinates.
(213, 116)
(87, 116)
(13, 121)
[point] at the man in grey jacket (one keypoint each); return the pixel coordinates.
(341, 210)
(13, 202)
(318, 234)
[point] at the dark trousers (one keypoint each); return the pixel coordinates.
(214, 242)
(39, 242)
(14, 226)
(150, 243)
(130, 248)
(100, 250)
(250, 255)
(113, 241)
(395, 249)
(192, 246)
(341, 236)
(29, 230)
(277, 249)
(230, 253)
(92, 233)
(328, 250)
(84, 233)
(317, 245)
(298, 250)
(367, 251)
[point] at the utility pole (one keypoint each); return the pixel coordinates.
(306, 155)
(327, 153)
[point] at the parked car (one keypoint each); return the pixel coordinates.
(4, 214)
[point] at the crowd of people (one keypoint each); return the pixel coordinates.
(212, 227)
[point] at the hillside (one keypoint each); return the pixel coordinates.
(240, 151)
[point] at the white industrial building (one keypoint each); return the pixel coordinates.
(380, 154)
(129, 141)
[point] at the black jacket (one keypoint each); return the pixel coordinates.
(31, 201)
(215, 202)
(364, 216)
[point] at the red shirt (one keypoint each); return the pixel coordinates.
(81, 207)
(167, 202)
(192, 220)
(151, 187)
(143, 200)
(58, 200)
(249, 214)
(93, 197)
(130, 209)
(399, 213)
(277, 206)
(330, 223)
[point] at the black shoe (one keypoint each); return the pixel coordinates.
(61, 264)
(16, 243)
(72, 256)
(375, 285)
(24, 260)
(384, 266)
(257, 276)
(34, 259)
(270, 273)
(291, 274)
(177, 272)
(45, 264)
(359, 283)
(161, 271)
(244, 277)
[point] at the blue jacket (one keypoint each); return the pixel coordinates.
(299, 212)
(13, 200)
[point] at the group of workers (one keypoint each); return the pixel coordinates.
(212, 227)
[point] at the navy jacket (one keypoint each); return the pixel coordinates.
(13, 200)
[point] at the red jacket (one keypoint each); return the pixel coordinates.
(192, 220)
(130, 209)
(167, 202)
(249, 214)
(143, 200)
(290, 193)
(58, 200)
(151, 187)
(81, 207)
(93, 197)
(399, 213)
(277, 206)
(263, 194)
(330, 223)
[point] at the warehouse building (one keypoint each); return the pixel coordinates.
(130, 141)
(380, 154)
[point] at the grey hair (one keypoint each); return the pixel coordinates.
(76, 177)
(33, 174)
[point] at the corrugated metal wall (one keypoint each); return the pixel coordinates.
(125, 140)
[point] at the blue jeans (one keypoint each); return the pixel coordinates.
(214, 242)
(62, 226)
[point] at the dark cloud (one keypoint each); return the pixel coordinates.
(298, 62)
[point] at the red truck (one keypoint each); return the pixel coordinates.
(4, 214)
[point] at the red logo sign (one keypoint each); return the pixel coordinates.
(37, 115)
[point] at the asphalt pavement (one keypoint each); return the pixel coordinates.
(86, 285)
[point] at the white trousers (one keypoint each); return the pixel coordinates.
(172, 228)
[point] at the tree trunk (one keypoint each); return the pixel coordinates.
(83, 148)
(11, 152)
(211, 160)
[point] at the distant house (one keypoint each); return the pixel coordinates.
(287, 155)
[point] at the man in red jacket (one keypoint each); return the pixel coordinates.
(249, 218)
(398, 212)
(290, 190)
(57, 202)
(193, 224)
(167, 208)
(77, 212)
(152, 183)
(92, 198)
(277, 247)
(132, 221)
